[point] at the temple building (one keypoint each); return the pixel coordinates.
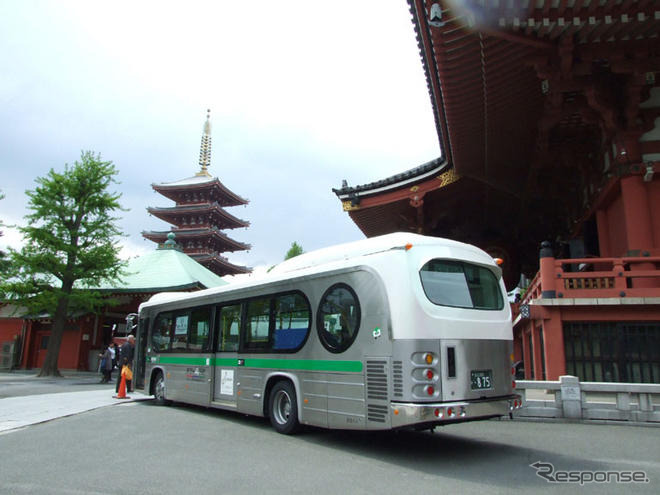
(199, 216)
(548, 118)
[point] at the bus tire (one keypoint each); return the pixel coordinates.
(159, 390)
(283, 408)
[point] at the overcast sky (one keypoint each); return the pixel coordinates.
(302, 95)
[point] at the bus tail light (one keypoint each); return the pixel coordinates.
(450, 412)
(428, 358)
(430, 375)
(439, 413)
(429, 389)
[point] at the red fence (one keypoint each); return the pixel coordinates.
(597, 278)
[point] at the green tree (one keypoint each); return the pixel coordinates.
(293, 251)
(71, 244)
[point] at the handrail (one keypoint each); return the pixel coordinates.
(598, 278)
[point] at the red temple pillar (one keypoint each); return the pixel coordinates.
(554, 346)
(538, 352)
(525, 354)
(638, 226)
(517, 347)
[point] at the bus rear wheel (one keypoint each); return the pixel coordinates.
(159, 390)
(283, 408)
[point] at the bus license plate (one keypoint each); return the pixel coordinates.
(481, 379)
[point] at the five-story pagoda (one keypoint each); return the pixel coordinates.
(199, 215)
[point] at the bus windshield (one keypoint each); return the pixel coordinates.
(460, 284)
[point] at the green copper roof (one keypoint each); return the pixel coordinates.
(166, 268)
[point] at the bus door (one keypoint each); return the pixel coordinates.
(226, 355)
(191, 359)
(140, 350)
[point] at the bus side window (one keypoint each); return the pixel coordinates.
(338, 318)
(162, 332)
(292, 322)
(229, 324)
(199, 330)
(257, 332)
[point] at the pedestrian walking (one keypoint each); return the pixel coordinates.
(106, 364)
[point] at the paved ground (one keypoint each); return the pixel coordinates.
(184, 449)
(26, 399)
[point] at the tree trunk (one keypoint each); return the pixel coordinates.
(49, 368)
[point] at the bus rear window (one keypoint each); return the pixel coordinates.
(460, 284)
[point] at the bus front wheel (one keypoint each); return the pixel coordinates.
(283, 408)
(159, 390)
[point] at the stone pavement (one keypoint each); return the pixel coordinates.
(24, 410)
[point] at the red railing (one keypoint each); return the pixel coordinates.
(598, 278)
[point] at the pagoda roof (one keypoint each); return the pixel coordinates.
(230, 244)
(164, 269)
(228, 220)
(197, 182)
(219, 264)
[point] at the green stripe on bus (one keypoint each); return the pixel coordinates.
(305, 364)
(192, 361)
(282, 364)
(225, 362)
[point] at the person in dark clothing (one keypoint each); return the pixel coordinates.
(126, 352)
(106, 364)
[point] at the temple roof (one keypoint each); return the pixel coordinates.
(494, 67)
(161, 270)
(508, 79)
(409, 177)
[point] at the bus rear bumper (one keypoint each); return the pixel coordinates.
(410, 413)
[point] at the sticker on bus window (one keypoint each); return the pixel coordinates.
(181, 327)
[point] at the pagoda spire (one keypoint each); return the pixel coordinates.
(205, 149)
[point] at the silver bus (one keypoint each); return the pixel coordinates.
(395, 331)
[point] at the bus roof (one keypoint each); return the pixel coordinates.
(364, 247)
(337, 256)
